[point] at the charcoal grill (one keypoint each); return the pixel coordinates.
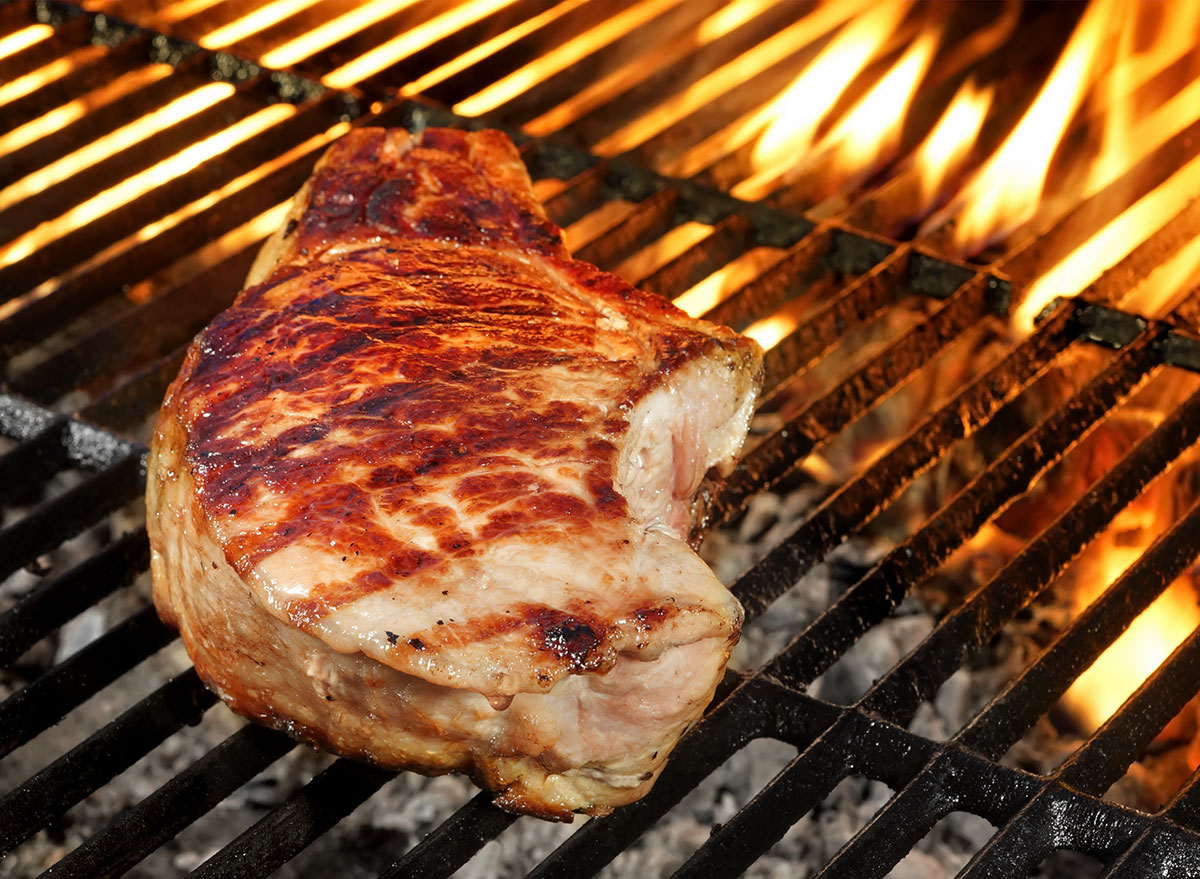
(98, 317)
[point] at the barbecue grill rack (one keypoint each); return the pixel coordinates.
(99, 317)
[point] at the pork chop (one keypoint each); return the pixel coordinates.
(421, 495)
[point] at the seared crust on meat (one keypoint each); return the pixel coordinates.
(409, 459)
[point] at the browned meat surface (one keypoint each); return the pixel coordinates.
(420, 495)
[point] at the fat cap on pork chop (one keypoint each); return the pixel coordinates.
(421, 494)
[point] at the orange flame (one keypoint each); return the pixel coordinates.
(867, 136)
(398, 48)
(1120, 670)
(1112, 243)
(260, 19)
(799, 110)
(1006, 191)
(948, 144)
(24, 38)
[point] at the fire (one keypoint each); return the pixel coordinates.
(770, 331)
(867, 136)
(260, 18)
(325, 35)
(72, 111)
(948, 144)
(24, 38)
(714, 289)
(561, 57)
(398, 48)
(1006, 191)
(138, 184)
(488, 47)
(1111, 244)
(773, 50)
(1120, 670)
(796, 114)
(121, 139)
(674, 243)
(604, 88)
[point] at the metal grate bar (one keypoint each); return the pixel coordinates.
(1108, 754)
(148, 332)
(452, 843)
(759, 707)
(40, 318)
(47, 700)
(849, 746)
(291, 826)
(1012, 712)
(158, 201)
(133, 56)
(778, 454)
(874, 596)
(53, 602)
(137, 398)
(35, 460)
(849, 508)
(66, 515)
(963, 630)
(45, 796)
(144, 827)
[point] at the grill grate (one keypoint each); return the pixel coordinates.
(100, 313)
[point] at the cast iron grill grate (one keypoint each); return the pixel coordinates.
(99, 314)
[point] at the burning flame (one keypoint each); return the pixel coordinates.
(325, 35)
(138, 184)
(1006, 191)
(561, 57)
(24, 38)
(1097, 694)
(121, 139)
(398, 48)
(488, 47)
(796, 114)
(261, 18)
(773, 50)
(770, 331)
(1111, 244)
(715, 289)
(948, 144)
(65, 114)
(867, 136)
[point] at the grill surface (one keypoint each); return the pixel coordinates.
(102, 305)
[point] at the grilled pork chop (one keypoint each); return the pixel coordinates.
(420, 496)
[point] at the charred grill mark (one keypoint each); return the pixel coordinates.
(416, 363)
(573, 641)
